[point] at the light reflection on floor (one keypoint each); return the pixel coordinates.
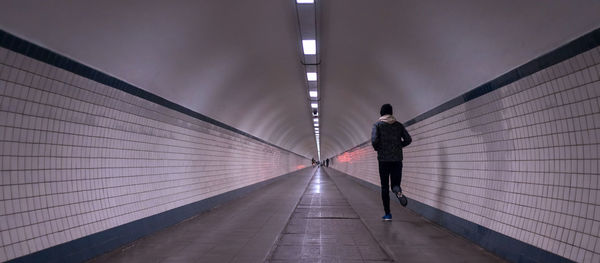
(325, 228)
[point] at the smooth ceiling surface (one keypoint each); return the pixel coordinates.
(238, 61)
(417, 55)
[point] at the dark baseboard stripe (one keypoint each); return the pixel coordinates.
(91, 246)
(502, 245)
(36, 52)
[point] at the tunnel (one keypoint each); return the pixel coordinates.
(252, 131)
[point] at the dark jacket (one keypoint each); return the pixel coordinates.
(388, 138)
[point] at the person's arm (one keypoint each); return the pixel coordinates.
(406, 139)
(375, 137)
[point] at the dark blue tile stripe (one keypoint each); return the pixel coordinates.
(582, 44)
(569, 50)
(87, 247)
(500, 244)
(507, 247)
(31, 50)
(504, 246)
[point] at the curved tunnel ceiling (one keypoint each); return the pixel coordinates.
(239, 61)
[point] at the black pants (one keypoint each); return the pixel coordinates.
(387, 170)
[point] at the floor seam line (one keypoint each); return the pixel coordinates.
(385, 249)
(279, 236)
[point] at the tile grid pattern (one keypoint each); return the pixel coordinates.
(521, 160)
(79, 157)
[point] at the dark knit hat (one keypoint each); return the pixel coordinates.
(386, 109)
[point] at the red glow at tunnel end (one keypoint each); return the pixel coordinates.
(355, 155)
(345, 157)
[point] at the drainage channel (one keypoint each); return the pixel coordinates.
(325, 228)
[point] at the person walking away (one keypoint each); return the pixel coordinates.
(388, 137)
(327, 163)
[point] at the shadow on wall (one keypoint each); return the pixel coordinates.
(441, 193)
(485, 120)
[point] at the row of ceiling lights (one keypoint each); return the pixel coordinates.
(307, 22)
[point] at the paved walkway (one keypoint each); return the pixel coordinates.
(324, 227)
(313, 215)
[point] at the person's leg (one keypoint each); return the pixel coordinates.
(385, 186)
(396, 176)
(400, 174)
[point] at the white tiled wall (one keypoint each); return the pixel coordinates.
(522, 160)
(78, 157)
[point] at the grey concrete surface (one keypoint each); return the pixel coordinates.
(325, 228)
(408, 237)
(243, 230)
(311, 216)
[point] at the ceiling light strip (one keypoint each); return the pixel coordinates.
(309, 43)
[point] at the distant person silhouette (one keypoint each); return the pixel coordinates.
(388, 137)
(327, 163)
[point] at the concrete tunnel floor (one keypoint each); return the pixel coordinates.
(311, 215)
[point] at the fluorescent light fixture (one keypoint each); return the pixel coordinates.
(313, 94)
(316, 120)
(314, 105)
(305, 1)
(316, 124)
(311, 76)
(309, 46)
